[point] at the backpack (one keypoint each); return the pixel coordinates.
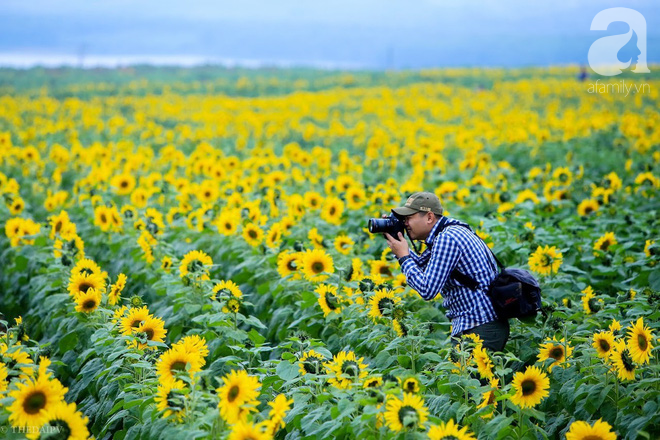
(515, 293)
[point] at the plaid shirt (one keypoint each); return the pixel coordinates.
(451, 247)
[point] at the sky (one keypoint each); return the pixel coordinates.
(383, 34)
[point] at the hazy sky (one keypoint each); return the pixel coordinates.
(370, 33)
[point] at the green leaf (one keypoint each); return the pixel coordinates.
(287, 370)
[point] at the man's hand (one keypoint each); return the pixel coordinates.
(398, 245)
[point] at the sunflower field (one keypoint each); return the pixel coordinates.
(184, 254)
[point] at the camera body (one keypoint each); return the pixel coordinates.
(391, 225)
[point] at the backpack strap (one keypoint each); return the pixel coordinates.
(467, 280)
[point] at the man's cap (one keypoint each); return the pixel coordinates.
(420, 202)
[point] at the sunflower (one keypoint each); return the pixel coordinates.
(316, 264)
(288, 264)
(279, 407)
(558, 351)
(176, 361)
(604, 242)
(103, 217)
(14, 355)
(226, 288)
(227, 223)
(347, 369)
(194, 263)
(356, 272)
(328, 299)
(133, 319)
(484, 363)
(410, 385)
(449, 431)
(488, 398)
(373, 382)
(545, 260)
(615, 327)
(116, 289)
(530, 387)
(313, 200)
(382, 304)
(381, 271)
(407, 413)
(274, 236)
(355, 198)
(639, 342)
(62, 418)
(400, 328)
(166, 264)
(170, 399)
(80, 283)
(244, 430)
(238, 393)
(4, 373)
(195, 345)
(34, 398)
(88, 301)
(332, 210)
(590, 303)
(233, 305)
(344, 244)
(583, 431)
(151, 329)
(316, 238)
(603, 343)
(649, 249)
(61, 225)
(123, 184)
(587, 206)
(253, 234)
(311, 362)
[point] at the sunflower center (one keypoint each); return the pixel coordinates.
(58, 226)
(311, 365)
(195, 266)
(604, 345)
(593, 305)
(123, 184)
(557, 352)
(331, 300)
(385, 306)
(642, 342)
(150, 333)
(528, 387)
(592, 437)
(173, 400)
(627, 361)
(57, 430)
(350, 368)
(545, 260)
(291, 265)
(252, 233)
(410, 386)
(385, 270)
(318, 267)
(333, 210)
(491, 398)
(408, 416)
(588, 210)
(104, 219)
(90, 304)
(605, 245)
(178, 366)
(84, 287)
(233, 393)
(35, 402)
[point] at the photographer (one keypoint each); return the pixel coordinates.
(453, 253)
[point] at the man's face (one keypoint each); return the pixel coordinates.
(419, 225)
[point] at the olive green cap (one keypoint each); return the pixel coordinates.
(420, 202)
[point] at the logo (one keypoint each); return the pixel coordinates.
(603, 52)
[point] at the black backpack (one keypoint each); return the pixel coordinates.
(515, 293)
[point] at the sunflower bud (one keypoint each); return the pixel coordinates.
(136, 301)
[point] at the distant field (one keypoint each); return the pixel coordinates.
(185, 253)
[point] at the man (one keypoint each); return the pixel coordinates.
(450, 247)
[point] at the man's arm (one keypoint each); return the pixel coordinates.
(445, 254)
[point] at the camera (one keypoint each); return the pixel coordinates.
(390, 225)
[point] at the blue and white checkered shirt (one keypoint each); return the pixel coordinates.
(449, 247)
